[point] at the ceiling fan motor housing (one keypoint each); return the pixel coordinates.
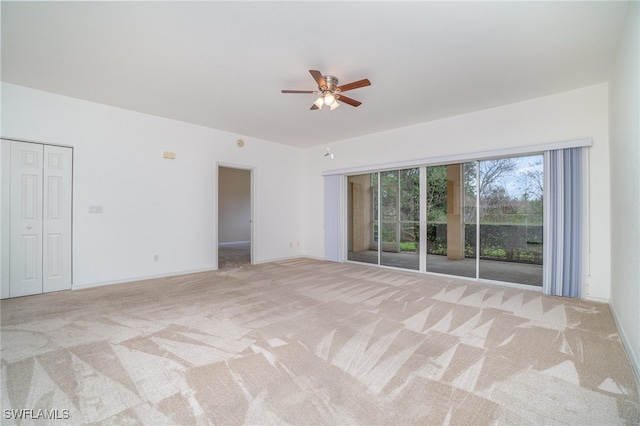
(332, 82)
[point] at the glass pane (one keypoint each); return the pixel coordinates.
(389, 203)
(400, 230)
(511, 219)
(448, 219)
(389, 235)
(410, 195)
(389, 177)
(361, 222)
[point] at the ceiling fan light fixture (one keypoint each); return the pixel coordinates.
(333, 106)
(329, 99)
(319, 102)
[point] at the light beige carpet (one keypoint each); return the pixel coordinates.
(311, 342)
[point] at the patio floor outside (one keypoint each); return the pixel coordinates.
(511, 272)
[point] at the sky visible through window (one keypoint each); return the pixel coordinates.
(527, 175)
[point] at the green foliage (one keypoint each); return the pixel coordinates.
(505, 242)
(412, 246)
(436, 193)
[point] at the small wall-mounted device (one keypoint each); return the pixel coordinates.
(169, 155)
(328, 154)
(240, 143)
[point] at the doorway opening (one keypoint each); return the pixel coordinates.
(234, 217)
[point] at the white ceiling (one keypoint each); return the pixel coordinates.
(223, 64)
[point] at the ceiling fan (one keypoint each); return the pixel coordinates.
(330, 92)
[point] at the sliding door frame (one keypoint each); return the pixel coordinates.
(422, 164)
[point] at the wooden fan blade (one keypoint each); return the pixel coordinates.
(314, 107)
(299, 91)
(354, 85)
(317, 76)
(349, 101)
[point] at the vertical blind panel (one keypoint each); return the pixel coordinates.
(332, 218)
(563, 247)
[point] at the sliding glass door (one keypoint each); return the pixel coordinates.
(510, 213)
(450, 220)
(481, 219)
(384, 218)
(362, 194)
(400, 216)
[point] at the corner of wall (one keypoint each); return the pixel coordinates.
(624, 190)
(634, 358)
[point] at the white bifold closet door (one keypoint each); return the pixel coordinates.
(40, 218)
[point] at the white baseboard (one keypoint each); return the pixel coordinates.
(173, 274)
(633, 357)
(277, 259)
(304, 256)
(597, 299)
(142, 278)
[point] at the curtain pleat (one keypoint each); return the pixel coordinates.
(332, 210)
(563, 210)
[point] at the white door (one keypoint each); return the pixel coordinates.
(26, 219)
(56, 220)
(40, 239)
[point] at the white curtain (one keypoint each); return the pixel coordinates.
(332, 214)
(564, 216)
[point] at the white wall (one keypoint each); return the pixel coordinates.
(153, 205)
(625, 186)
(167, 207)
(566, 116)
(234, 205)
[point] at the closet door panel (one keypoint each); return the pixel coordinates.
(26, 219)
(57, 219)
